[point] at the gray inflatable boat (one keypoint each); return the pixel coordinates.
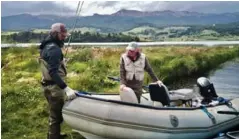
(107, 117)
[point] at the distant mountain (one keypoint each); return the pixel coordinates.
(136, 13)
(120, 21)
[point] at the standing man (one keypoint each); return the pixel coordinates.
(53, 73)
(133, 63)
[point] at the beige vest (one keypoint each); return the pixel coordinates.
(45, 72)
(134, 68)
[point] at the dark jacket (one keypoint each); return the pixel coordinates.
(51, 53)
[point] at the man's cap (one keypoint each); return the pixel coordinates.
(58, 27)
(132, 46)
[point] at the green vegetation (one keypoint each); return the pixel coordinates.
(8, 32)
(87, 29)
(222, 32)
(24, 109)
(77, 36)
(82, 29)
(40, 30)
(184, 33)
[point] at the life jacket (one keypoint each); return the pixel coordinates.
(134, 69)
(45, 70)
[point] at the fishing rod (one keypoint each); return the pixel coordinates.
(78, 10)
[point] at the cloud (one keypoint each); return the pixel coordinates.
(204, 6)
(109, 7)
(33, 7)
(108, 3)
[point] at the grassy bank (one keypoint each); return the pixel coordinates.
(24, 109)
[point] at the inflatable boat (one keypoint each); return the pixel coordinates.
(161, 114)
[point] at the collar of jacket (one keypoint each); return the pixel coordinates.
(137, 57)
(50, 39)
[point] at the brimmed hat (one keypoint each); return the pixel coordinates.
(132, 46)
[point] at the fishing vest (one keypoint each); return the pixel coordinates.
(134, 69)
(45, 70)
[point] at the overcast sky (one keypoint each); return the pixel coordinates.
(109, 7)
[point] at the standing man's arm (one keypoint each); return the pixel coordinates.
(122, 72)
(53, 60)
(150, 70)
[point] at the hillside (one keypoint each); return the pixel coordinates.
(228, 31)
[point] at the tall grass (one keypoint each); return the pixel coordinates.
(24, 109)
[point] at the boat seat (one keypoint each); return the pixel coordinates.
(181, 94)
(128, 96)
(157, 104)
(159, 94)
(170, 98)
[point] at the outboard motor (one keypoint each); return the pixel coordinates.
(207, 90)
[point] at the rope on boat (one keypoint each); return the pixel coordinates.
(204, 109)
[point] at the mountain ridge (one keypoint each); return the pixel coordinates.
(119, 21)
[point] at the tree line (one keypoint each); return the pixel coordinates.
(76, 36)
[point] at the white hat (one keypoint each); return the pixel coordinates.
(132, 46)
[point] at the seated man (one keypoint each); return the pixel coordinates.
(133, 63)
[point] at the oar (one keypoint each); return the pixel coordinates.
(228, 112)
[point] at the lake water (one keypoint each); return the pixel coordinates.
(110, 44)
(226, 79)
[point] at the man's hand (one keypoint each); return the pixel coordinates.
(122, 86)
(160, 83)
(70, 93)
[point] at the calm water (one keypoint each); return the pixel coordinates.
(184, 43)
(226, 79)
